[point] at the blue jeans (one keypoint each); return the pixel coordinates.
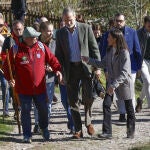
(50, 93)
(5, 92)
(26, 104)
(64, 100)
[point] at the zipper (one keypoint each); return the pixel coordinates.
(32, 59)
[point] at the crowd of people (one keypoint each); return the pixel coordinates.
(72, 58)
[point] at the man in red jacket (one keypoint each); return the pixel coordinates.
(29, 80)
(14, 38)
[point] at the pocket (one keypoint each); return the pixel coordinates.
(124, 91)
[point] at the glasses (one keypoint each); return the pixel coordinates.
(1, 25)
(18, 29)
(121, 21)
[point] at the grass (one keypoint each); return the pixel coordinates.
(145, 147)
(138, 88)
(57, 89)
(5, 126)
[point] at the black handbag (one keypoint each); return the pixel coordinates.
(97, 89)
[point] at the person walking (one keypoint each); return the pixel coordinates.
(132, 41)
(144, 39)
(117, 62)
(10, 41)
(73, 41)
(46, 29)
(29, 80)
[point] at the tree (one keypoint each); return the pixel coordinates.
(56, 6)
(139, 9)
(134, 10)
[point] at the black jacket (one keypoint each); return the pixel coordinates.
(144, 40)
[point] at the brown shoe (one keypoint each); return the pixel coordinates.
(78, 135)
(90, 129)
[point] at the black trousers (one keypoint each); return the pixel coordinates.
(107, 124)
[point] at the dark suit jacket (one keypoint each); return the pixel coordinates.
(88, 47)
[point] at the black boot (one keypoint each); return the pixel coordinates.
(130, 119)
(130, 129)
(139, 105)
(122, 118)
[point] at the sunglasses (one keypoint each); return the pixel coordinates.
(120, 21)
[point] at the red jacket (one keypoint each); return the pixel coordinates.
(29, 68)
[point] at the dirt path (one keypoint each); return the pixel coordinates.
(60, 138)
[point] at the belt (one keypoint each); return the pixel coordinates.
(76, 63)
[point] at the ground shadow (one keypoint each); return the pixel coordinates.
(11, 139)
(9, 134)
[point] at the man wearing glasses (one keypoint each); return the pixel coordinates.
(15, 38)
(144, 38)
(132, 41)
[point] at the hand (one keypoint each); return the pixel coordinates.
(12, 83)
(48, 69)
(62, 82)
(59, 75)
(85, 58)
(98, 73)
(110, 90)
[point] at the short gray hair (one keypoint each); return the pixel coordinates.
(68, 10)
(15, 22)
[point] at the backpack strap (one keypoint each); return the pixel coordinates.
(40, 44)
(15, 49)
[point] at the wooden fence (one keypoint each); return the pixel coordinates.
(7, 3)
(35, 9)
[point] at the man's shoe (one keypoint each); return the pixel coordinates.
(105, 136)
(45, 134)
(139, 105)
(27, 139)
(36, 129)
(122, 118)
(90, 129)
(78, 135)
